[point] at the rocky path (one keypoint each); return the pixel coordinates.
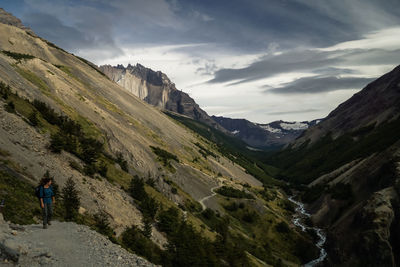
(62, 244)
(201, 201)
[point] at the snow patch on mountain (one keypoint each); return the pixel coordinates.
(235, 132)
(270, 129)
(294, 126)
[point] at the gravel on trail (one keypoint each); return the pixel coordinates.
(61, 244)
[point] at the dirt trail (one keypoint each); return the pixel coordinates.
(201, 201)
(62, 244)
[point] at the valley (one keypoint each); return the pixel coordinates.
(163, 183)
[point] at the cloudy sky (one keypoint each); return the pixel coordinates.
(262, 60)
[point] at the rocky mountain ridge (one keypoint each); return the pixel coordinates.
(350, 164)
(377, 103)
(155, 88)
(9, 19)
(270, 136)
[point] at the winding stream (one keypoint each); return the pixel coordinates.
(301, 214)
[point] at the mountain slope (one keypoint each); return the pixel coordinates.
(269, 136)
(377, 103)
(156, 89)
(59, 113)
(351, 163)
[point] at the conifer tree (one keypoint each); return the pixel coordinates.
(136, 188)
(71, 199)
(33, 119)
(146, 226)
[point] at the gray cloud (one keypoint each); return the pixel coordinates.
(314, 61)
(56, 31)
(271, 65)
(76, 36)
(321, 84)
(294, 111)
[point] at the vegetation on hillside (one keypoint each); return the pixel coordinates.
(233, 192)
(17, 56)
(217, 238)
(232, 148)
(307, 162)
(165, 157)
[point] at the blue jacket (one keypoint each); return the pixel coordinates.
(46, 194)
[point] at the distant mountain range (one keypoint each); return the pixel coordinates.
(156, 88)
(269, 136)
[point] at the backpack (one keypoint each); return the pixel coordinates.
(37, 191)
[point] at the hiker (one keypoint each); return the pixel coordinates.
(47, 201)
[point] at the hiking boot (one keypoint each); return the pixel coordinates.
(44, 226)
(49, 223)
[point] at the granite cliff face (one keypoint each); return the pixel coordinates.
(155, 88)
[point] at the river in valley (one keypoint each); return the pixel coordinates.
(298, 220)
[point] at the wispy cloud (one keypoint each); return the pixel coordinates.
(306, 54)
(318, 84)
(294, 111)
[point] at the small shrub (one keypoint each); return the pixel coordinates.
(174, 190)
(17, 56)
(89, 170)
(168, 220)
(151, 182)
(231, 207)
(282, 227)
(134, 240)
(102, 224)
(57, 142)
(233, 192)
(10, 107)
(103, 170)
(164, 156)
(122, 162)
(149, 206)
(33, 119)
(136, 188)
(147, 226)
(75, 165)
(5, 90)
(250, 217)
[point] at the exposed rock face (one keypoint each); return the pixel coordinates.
(9, 19)
(363, 226)
(156, 89)
(378, 102)
(273, 135)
